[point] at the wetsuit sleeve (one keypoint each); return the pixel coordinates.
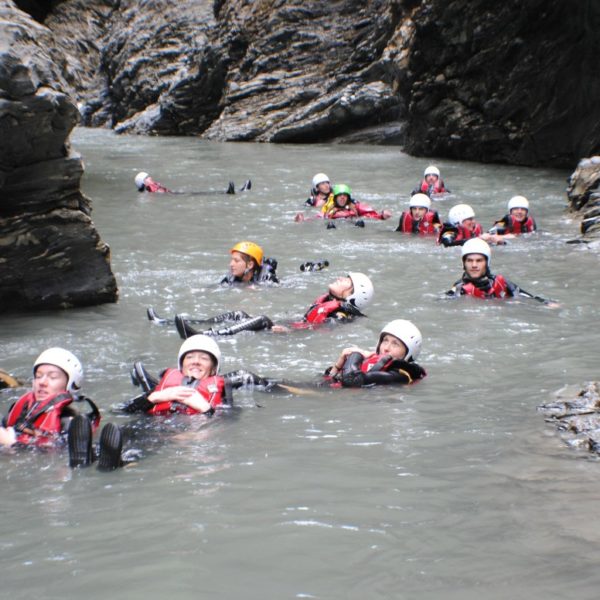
(448, 237)
(267, 271)
(513, 289)
(242, 378)
(400, 371)
(499, 227)
(455, 290)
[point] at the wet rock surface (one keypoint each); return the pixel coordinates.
(576, 415)
(50, 252)
(465, 79)
(583, 193)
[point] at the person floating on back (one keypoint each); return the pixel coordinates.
(477, 280)
(50, 414)
(419, 218)
(393, 360)
(518, 220)
(432, 183)
(145, 183)
(341, 205)
(460, 227)
(345, 299)
(320, 191)
(248, 265)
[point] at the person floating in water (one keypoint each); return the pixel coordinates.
(320, 191)
(419, 218)
(248, 265)
(518, 220)
(432, 183)
(345, 299)
(341, 205)
(477, 279)
(145, 183)
(393, 360)
(50, 414)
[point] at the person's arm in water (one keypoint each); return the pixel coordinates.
(385, 371)
(185, 395)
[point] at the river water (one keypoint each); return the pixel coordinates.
(452, 488)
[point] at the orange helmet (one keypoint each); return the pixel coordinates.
(251, 249)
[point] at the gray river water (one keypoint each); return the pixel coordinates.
(453, 488)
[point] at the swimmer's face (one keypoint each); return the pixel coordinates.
(324, 187)
(469, 224)
(519, 214)
(341, 288)
(198, 364)
(418, 212)
(431, 179)
(475, 265)
(48, 381)
(341, 199)
(392, 346)
(239, 263)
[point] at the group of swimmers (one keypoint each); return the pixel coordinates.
(54, 411)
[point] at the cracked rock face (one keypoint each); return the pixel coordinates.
(469, 79)
(50, 252)
(583, 192)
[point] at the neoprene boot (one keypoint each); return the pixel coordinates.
(79, 440)
(141, 377)
(253, 324)
(111, 444)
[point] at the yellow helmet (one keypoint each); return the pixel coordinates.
(251, 249)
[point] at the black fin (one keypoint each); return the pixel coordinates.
(111, 444)
(79, 438)
(185, 331)
(247, 186)
(230, 188)
(153, 316)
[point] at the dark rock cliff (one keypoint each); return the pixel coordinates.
(50, 252)
(468, 79)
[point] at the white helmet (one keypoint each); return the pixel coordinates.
(200, 343)
(459, 213)
(363, 290)
(420, 200)
(518, 202)
(477, 246)
(319, 178)
(431, 170)
(65, 360)
(139, 180)
(407, 333)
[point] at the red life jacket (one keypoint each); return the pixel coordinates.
(210, 388)
(423, 227)
(462, 233)
(156, 188)
(369, 362)
(364, 210)
(438, 188)
(511, 225)
(44, 418)
(341, 213)
(323, 307)
(498, 289)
